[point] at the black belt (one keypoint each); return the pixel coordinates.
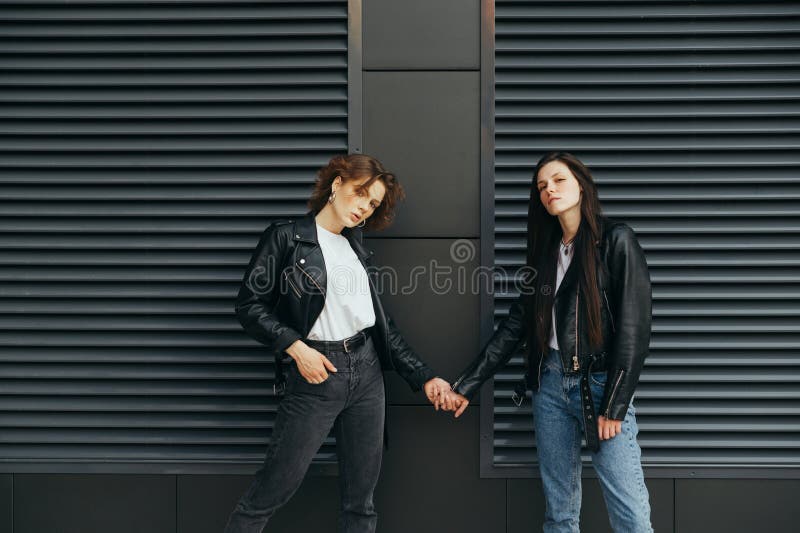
(587, 403)
(345, 345)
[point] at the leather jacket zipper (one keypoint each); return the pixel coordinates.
(309, 276)
(611, 396)
(575, 364)
(292, 285)
(539, 377)
(610, 315)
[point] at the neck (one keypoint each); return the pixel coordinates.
(328, 220)
(570, 222)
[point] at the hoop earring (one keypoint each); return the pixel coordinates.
(332, 197)
(363, 223)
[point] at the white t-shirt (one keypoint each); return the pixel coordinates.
(348, 301)
(565, 254)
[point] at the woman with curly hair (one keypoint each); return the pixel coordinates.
(308, 297)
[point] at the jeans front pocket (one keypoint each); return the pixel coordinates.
(598, 378)
(297, 383)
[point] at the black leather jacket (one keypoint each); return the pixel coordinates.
(626, 315)
(283, 293)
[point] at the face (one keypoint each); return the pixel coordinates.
(559, 190)
(354, 204)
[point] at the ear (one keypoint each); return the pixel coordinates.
(337, 181)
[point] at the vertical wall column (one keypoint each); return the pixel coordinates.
(421, 117)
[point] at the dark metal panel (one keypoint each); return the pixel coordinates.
(205, 502)
(687, 114)
(7, 503)
(430, 476)
(714, 506)
(423, 280)
(144, 146)
(525, 506)
(94, 503)
(422, 35)
(425, 126)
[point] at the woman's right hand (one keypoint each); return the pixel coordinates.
(311, 364)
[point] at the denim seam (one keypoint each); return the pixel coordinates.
(273, 446)
(274, 442)
(343, 473)
(576, 460)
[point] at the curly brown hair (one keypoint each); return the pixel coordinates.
(356, 166)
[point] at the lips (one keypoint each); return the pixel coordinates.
(355, 217)
(552, 200)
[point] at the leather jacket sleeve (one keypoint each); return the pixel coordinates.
(405, 361)
(260, 291)
(505, 341)
(630, 282)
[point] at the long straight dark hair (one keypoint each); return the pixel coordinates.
(544, 235)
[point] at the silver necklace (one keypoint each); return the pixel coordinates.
(567, 247)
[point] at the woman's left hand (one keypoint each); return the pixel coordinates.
(608, 428)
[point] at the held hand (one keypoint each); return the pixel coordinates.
(608, 428)
(462, 403)
(436, 390)
(311, 364)
(459, 402)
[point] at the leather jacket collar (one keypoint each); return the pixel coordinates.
(306, 231)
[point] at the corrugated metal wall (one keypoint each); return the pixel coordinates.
(688, 114)
(144, 146)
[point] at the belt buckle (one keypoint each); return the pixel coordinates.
(346, 349)
(279, 389)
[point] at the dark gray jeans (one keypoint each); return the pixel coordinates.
(352, 401)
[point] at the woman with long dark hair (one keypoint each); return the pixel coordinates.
(585, 317)
(307, 296)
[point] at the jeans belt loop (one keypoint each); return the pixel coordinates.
(358, 336)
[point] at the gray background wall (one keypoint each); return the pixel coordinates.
(421, 116)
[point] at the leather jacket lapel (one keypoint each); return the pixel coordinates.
(305, 229)
(356, 238)
(570, 278)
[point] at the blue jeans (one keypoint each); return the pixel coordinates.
(558, 423)
(352, 401)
